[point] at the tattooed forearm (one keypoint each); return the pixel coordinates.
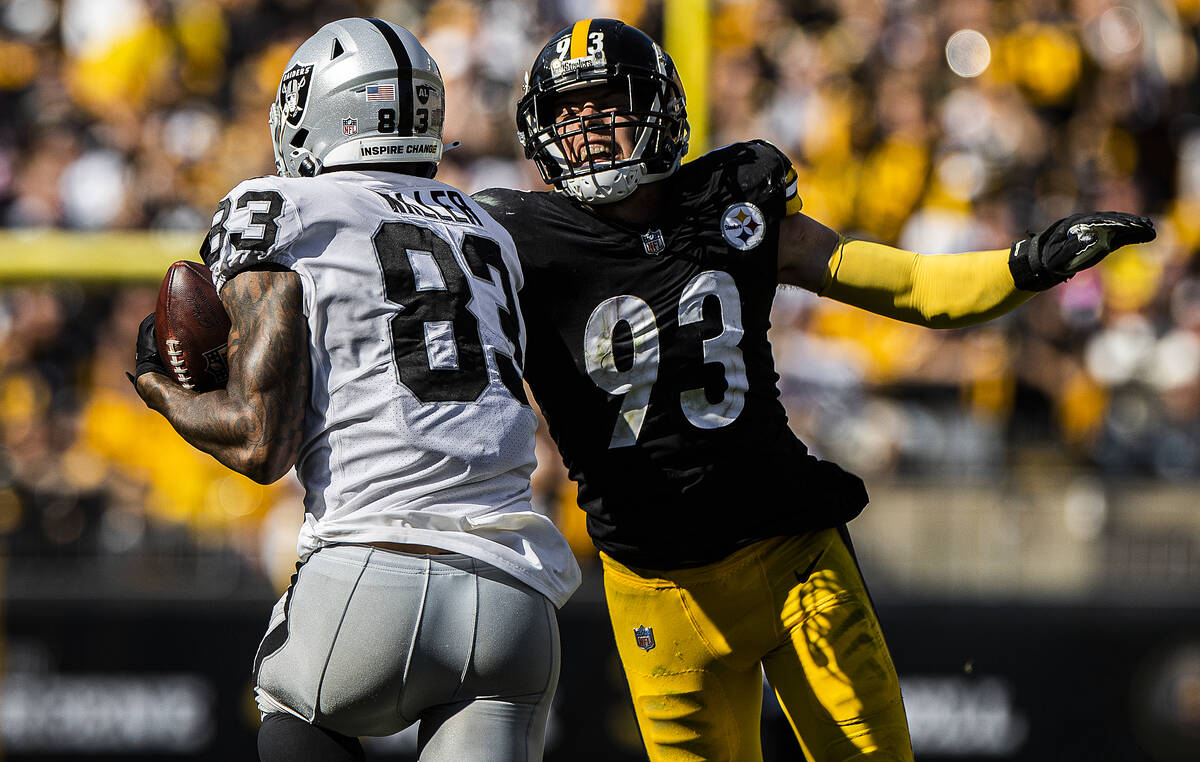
(254, 425)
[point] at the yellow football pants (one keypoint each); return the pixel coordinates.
(695, 643)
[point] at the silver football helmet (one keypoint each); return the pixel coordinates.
(359, 91)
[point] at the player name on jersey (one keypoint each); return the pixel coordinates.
(435, 208)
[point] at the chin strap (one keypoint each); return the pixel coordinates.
(307, 166)
(609, 185)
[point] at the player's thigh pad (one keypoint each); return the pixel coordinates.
(690, 643)
(504, 701)
(372, 640)
(832, 673)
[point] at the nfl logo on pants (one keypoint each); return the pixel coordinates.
(644, 637)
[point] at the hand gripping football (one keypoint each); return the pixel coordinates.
(192, 327)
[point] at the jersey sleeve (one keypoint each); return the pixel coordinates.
(493, 200)
(254, 224)
(510, 209)
(773, 172)
(502, 204)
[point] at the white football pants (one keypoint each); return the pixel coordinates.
(368, 641)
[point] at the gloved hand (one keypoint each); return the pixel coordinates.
(146, 359)
(1043, 260)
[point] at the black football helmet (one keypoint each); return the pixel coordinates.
(595, 52)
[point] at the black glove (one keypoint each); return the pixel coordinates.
(1074, 243)
(146, 359)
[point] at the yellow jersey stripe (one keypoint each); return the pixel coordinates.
(579, 36)
(794, 202)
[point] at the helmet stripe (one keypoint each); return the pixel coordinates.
(404, 85)
(579, 36)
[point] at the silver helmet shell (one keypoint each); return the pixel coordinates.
(359, 91)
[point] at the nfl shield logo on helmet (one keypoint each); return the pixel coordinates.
(349, 126)
(644, 637)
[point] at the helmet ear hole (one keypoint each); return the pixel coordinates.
(298, 139)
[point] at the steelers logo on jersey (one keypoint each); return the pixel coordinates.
(743, 225)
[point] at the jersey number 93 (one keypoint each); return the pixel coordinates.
(634, 380)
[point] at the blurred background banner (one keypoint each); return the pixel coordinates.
(1033, 539)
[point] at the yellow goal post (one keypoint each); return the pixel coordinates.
(687, 39)
(116, 256)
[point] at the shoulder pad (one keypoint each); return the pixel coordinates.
(499, 199)
(781, 172)
(255, 223)
(753, 171)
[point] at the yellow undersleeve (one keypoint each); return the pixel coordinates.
(937, 291)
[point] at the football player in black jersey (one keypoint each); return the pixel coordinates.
(648, 290)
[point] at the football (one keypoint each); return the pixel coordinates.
(192, 327)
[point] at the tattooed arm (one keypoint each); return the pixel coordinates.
(254, 425)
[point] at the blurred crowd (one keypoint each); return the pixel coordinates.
(934, 125)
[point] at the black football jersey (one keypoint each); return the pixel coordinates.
(647, 352)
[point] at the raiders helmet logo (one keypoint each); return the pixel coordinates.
(293, 92)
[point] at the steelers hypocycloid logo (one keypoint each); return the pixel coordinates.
(743, 225)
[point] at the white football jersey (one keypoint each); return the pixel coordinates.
(417, 429)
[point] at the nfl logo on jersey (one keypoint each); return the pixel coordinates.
(654, 242)
(644, 637)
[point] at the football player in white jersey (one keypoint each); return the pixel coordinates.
(376, 345)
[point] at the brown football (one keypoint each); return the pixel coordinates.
(192, 328)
